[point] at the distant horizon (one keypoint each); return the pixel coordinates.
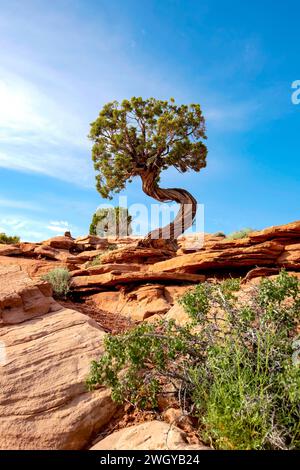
(61, 62)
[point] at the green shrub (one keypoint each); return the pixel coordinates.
(240, 233)
(6, 239)
(232, 365)
(97, 259)
(219, 234)
(59, 278)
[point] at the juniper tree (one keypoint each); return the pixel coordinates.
(142, 138)
(114, 221)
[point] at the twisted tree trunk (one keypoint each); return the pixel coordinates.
(185, 216)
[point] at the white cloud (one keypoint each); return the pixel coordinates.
(34, 230)
(41, 135)
(26, 110)
(63, 223)
(59, 226)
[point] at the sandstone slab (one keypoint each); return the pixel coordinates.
(33, 267)
(9, 250)
(139, 304)
(115, 278)
(60, 242)
(21, 298)
(134, 254)
(283, 232)
(262, 254)
(43, 400)
(290, 257)
(151, 435)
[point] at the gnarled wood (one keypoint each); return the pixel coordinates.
(187, 210)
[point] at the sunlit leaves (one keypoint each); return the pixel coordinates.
(139, 135)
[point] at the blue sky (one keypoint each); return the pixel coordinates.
(60, 61)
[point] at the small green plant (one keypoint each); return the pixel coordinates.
(232, 365)
(59, 278)
(97, 260)
(240, 234)
(6, 239)
(219, 234)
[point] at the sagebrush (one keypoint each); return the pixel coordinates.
(59, 278)
(231, 366)
(243, 233)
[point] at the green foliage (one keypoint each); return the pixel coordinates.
(98, 258)
(219, 234)
(138, 136)
(114, 221)
(59, 278)
(6, 239)
(240, 234)
(232, 365)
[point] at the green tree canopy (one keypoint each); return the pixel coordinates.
(144, 137)
(114, 221)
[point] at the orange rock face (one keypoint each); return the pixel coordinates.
(60, 242)
(219, 257)
(43, 399)
(151, 435)
(115, 277)
(21, 298)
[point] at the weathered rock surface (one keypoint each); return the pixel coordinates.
(145, 302)
(9, 250)
(282, 232)
(60, 242)
(290, 257)
(114, 278)
(21, 298)
(106, 268)
(88, 255)
(138, 304)
(177, 313)
(151, 435)
(88, 242)
(262, 254)
(135, 255)
(33, 267)
(43, 400)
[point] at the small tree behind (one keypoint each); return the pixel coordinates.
(6, 239)
(111, 222)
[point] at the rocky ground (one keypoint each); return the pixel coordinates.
(46, 347)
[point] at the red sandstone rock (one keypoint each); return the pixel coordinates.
(9, 250)
(60, 242)
(282, 232)
(140, 303)
(151, 435)
(262, 254)
(106, 268)
(135, 255)
(115, 278)
(290, 257)
(43, 399)
(21, 298)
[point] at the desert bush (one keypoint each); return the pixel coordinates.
(98, 258)
(6, 239)
(243, 233)
(232, 365)
(59, 278)
(219, 234)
